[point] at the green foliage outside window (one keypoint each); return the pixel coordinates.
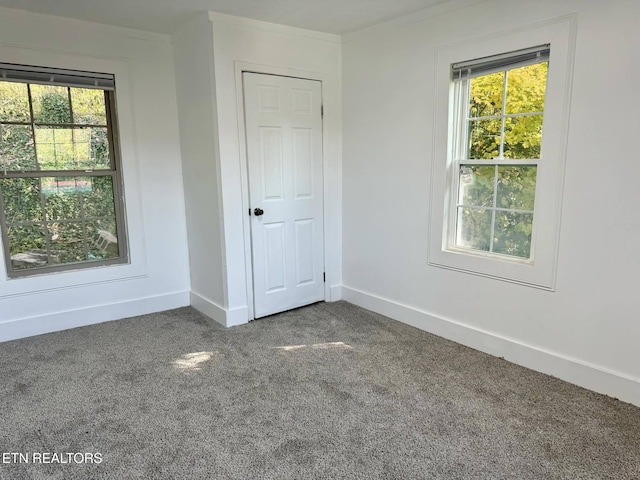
(496, 202)
(66, 217)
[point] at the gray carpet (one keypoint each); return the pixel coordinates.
(355, 396)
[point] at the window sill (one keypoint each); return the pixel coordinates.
(485, 274)
(490, 255)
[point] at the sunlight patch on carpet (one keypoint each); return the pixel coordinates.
(335, 345)
(192, 362)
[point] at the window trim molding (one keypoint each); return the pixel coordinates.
(540, 272)
(133, 160)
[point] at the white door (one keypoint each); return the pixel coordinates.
(284, 151)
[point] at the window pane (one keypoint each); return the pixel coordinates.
(474, 228)
(68, 241)
(81, 220)
(88, 106)
(517, 187)
(99, 158)
(526, 88)
(62, 197)
(21, 199)
(97, 197)
(476, 185)
(484, 139)
(103, 239)
(16, 148)
(14, 102)
(50, 104)
(522, 137)
(486, 94)
(55, 148)
(72, 148)
(68, 198)
(27, 247)
(513, 234)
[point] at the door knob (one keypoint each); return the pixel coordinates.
(258, 212)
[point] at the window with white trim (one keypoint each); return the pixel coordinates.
(61, 201)
(501, 105)
(498, 119)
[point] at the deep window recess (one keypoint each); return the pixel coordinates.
(497, 137)
(61, 202)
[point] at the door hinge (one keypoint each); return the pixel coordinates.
(249, 211)
(324, 276)
(321, 111)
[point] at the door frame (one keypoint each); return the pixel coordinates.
(240, 68)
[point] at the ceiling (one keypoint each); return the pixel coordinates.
(167, 16)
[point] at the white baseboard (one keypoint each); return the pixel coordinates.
(209, 308)
(592, 377)
(237, 316)
(335, 293)
(226, 318)
(54, 322)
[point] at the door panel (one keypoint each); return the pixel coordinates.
(284, 154)
(304, 251)
(271, 163)
(303, 161)
(275, 260)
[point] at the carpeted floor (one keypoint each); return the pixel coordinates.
(327, 391)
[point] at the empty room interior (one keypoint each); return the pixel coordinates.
(299, 239)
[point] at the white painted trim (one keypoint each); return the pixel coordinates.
(561, 33)
(216, 17)
(572, 370)
(241, 67)
(440, 8)
(208, 308)
(226, 318)
(244, 187)
(53, 322)
(335, 293)
(237, 316)
(136, 266)
(74, 286)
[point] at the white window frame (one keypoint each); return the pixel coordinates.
(460, 156)
(539, 269)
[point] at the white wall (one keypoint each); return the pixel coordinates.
(157, 277)
(586, 331)
(195, 82)
(247, 44)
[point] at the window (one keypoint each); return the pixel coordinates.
(60, 186)
(501, 107)
(499, 110)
